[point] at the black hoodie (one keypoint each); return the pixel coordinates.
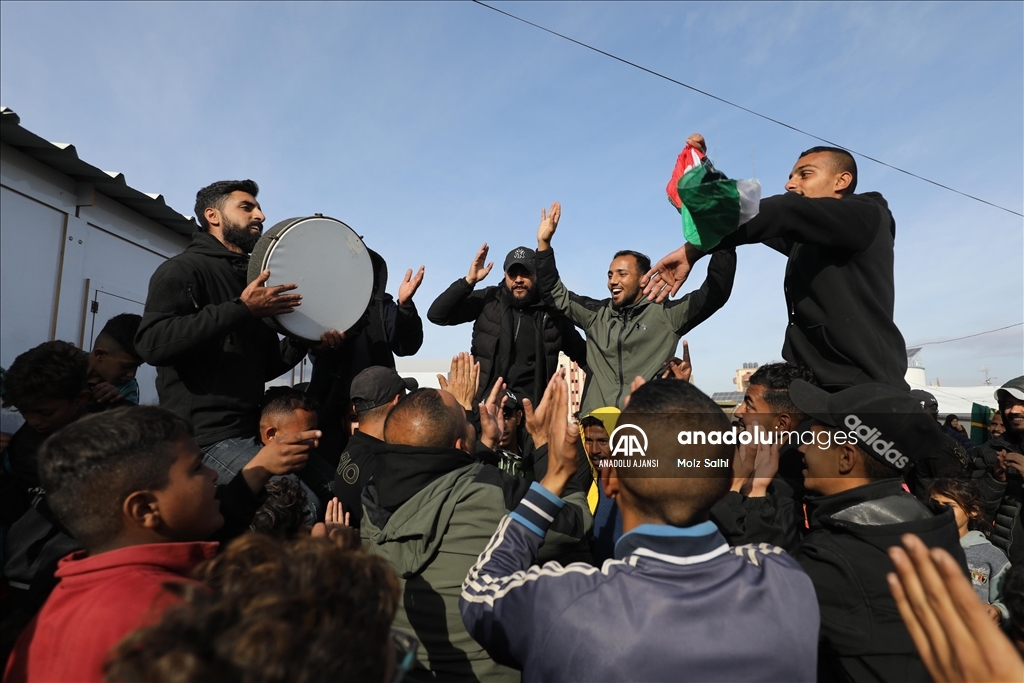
(839, 285)
(385, 330)
(212, 356)
(863, 637)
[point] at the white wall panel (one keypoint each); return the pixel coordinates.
(31, 178)
(31, 242)
(119, 220)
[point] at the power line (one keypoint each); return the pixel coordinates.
(969, 336)
(741, 107)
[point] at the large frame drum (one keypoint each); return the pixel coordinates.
(329, 263)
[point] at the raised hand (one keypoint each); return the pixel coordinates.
(562, 436)
(766, 465)
(697, 140)
(264, 301)
(492, 417)
(105, 392)
(463, 380)
(743, 468)
(949, 625)
(335, 516)
(477, 270)
(669, 274)
(536, 418)
(407, 290)
(284, 454)
(678, 368)
(548, 225)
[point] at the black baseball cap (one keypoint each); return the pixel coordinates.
(377, 385)
(890, 425)
(512, 401)
(927, 401)
(523, 256)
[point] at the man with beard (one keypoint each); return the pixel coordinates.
(1003, 476)
(202, 328)
(628, 335)
(515, 335)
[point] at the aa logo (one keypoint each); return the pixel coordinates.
(628, 440)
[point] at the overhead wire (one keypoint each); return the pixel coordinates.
(741, 107)
(969, 336)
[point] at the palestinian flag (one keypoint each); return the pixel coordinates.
(712, 206)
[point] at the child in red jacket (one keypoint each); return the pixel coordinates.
(130, 484)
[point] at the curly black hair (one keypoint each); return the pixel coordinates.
(52, 370)
(284, 511)
(271, 611)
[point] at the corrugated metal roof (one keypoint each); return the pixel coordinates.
(63, 157)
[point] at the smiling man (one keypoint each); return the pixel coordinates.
(202, 328)
(628, 335)
(839, 279)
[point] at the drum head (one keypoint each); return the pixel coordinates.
(329, 263)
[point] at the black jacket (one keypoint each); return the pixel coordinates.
(845, 554)
(386, 330)
(494, 323)
(635, 340)
(1003, 499)
(839, 285)
(355, 468)
(212, 356)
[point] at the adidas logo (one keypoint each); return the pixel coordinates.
(873, 438)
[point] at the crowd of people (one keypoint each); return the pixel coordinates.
(363, 528)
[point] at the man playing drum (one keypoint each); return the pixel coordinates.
(202, 328)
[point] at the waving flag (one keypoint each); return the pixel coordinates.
(712, 206)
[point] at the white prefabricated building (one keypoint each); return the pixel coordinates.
(77, 247)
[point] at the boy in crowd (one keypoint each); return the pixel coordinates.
(595, 429)
(752, 506)
(288, 412)
(374, 392)
(676, 586)
(49, 387)
(858, 511)
(131, 486)
(510, 448)
(114, 361)
(336, 627)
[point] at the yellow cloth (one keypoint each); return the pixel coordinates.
(608, 416)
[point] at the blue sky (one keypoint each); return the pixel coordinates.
(431, 128)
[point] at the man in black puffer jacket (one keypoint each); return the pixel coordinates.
(1001, 472)
(515, 335)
